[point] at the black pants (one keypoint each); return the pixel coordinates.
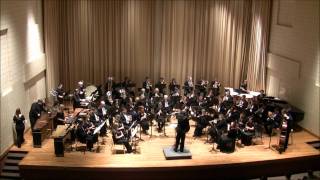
(126, 144)
(198, 130)
(160, 123)
(180, 141)
(287, 138)
(20, 133)
(32, 122)
(145, 125)
(103, 131)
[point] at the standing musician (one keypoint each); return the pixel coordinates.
(161, 85)
(277, 118)
(128, 85)
(244, 86)
(173, 85)
(182, 128)
(287, 118)
(110, 84)
(19, 121)
(147, 86)
(215, 85)
(188, 86)
(81, 90)
(60, 93)
(35, 112)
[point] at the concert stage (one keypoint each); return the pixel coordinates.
(246, 162)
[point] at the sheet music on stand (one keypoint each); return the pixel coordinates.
(99, 127)
(134, 131)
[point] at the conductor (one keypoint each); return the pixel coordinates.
(182, 128)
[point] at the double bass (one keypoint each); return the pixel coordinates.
(283, 136)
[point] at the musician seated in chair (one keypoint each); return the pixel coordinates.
(119, 136)
(167, 106)
(102, 113)
(202, 122)
(160, 117)
(91, 138)
(233, 130)
(269, 123)
(248, 132)
(142, 119)
(85, 135)
(59, 119)
(125, 118)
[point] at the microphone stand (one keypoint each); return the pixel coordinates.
(140, 133)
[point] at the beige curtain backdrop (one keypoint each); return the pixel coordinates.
(211, 39)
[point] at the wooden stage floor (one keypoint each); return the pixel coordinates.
(246, 162)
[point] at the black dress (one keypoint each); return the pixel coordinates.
(19, 120)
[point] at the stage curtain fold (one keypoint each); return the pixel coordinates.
(211, 39)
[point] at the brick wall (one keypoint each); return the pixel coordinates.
(22, 58)
(293, 61)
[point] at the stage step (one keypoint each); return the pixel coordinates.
(18, 151)
(17, 156)
(10, 175)
(12, 162)
(10, 168)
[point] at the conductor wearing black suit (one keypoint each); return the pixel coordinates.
(35, 112)
(182, 128)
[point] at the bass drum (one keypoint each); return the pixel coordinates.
(89, 90)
